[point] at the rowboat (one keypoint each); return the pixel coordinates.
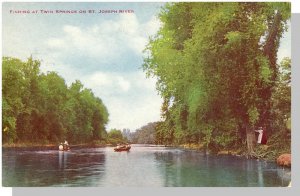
(63, 147)
(122, 148)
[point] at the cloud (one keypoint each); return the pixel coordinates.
(111, 82)
(133, 113)
(131, 98)
(56, 43)
(152, 26)
(109, 40)
(124, 84)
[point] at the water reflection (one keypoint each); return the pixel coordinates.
(195, 169)
(65, 155)
(60, 159)
(136, 168)
(260, 173)
(52, 168)
(284, 174)
(142, 166)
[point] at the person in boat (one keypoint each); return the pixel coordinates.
(66, 145)
(122, 146)
(61, 146)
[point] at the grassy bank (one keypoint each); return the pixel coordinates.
(54, 145)
(201, 147)
(264, 152)
(25, 145)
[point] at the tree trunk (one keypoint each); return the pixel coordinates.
(251, 140)
(270, 50)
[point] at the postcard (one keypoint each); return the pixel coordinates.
(146, 94)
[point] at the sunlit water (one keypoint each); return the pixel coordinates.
(143, 166)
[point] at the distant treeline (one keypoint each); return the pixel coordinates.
(40, 108)
(217, 72)
(145, 134)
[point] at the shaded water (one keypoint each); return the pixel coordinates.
(146, 166)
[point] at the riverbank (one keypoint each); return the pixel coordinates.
(261, 152)
(54, 146)
(200, 147)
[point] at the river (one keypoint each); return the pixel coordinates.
(142, 166)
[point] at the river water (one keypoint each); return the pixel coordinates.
(143, 166)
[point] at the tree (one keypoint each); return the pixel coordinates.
(216, 69)
(145, 134)
(12, 79)
(115, 137)
(41, 108)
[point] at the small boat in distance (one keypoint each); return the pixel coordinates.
(120, 148)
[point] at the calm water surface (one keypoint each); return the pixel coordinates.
(146, 166)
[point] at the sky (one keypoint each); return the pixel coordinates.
(102, 50)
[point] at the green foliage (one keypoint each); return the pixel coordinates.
(234, 40)
(216, 70)
(281, 109)
(39, 107)
(207, 135)
(115, 134)
(253, 115)
(265, 71)
(115, 137)
(145, 134)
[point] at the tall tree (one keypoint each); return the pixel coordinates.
(216, 69)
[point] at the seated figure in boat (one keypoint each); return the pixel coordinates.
(66, 145)
(61, 147)
(118, 146)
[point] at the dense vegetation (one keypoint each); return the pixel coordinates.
(115, 137)
(41, 108)
(145, 134)
(216, 69)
